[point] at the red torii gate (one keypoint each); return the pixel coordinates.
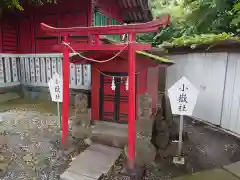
(133, 46)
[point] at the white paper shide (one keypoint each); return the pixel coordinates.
(56, 88)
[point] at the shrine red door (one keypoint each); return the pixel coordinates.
(113, 103)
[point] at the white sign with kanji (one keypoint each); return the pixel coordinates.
(56, 88)
(183, 97)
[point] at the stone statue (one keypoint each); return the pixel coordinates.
(81, 121)
(145, 150)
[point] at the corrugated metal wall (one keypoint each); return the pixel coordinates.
(207, 72)
(231, 102)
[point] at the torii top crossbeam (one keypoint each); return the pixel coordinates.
(151, 26)
(132, 46)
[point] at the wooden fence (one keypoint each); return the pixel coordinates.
(37, 70)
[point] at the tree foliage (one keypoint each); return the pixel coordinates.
(17, 4)
(191, 19)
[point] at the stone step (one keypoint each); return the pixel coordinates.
(233, 168)
(110, 134)
(92, 164)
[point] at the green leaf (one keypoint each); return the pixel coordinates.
(237, 5)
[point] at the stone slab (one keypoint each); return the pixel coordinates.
(85, 171)
(233, 168)
(72, 176)
(95, 161)
(218, 174)
(107, 150)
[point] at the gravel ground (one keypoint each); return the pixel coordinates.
(31, 147)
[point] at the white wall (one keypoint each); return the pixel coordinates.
(231, 103)
(206, 71)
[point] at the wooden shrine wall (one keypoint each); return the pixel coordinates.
(110, 9)
(9, 35)
(33, 40)
(21, 30)
(65, 14)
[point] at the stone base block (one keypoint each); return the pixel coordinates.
(136, 173)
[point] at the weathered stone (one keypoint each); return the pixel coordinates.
(233, 168)
(81, 103)
(92, 163)
(81, 132)
(144, 106)
(145, 150)
(81, 122)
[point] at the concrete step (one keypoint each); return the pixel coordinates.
(92, 164)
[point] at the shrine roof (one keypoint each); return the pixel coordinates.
(152, 54)
(136, 10)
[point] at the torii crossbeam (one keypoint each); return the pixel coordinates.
(132, 47)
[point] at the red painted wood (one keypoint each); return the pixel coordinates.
(65, 13)
(123, 106)
(106, 47)
(60, 7)
(1, 35)
(24, 35)
(74, 20)
(45, 46)
(110, 8)
(9, 35)
(49, 19)
(65, 106)
(32, 23)
(151, 26)
(122, 66)
(131, 100)
(91, 6)
(108, 99)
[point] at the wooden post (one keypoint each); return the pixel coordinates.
(131, 101)
(91, 18)
(66, 70)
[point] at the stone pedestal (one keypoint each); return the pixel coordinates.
(135, 173)
(145, 150)
(81, 122)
